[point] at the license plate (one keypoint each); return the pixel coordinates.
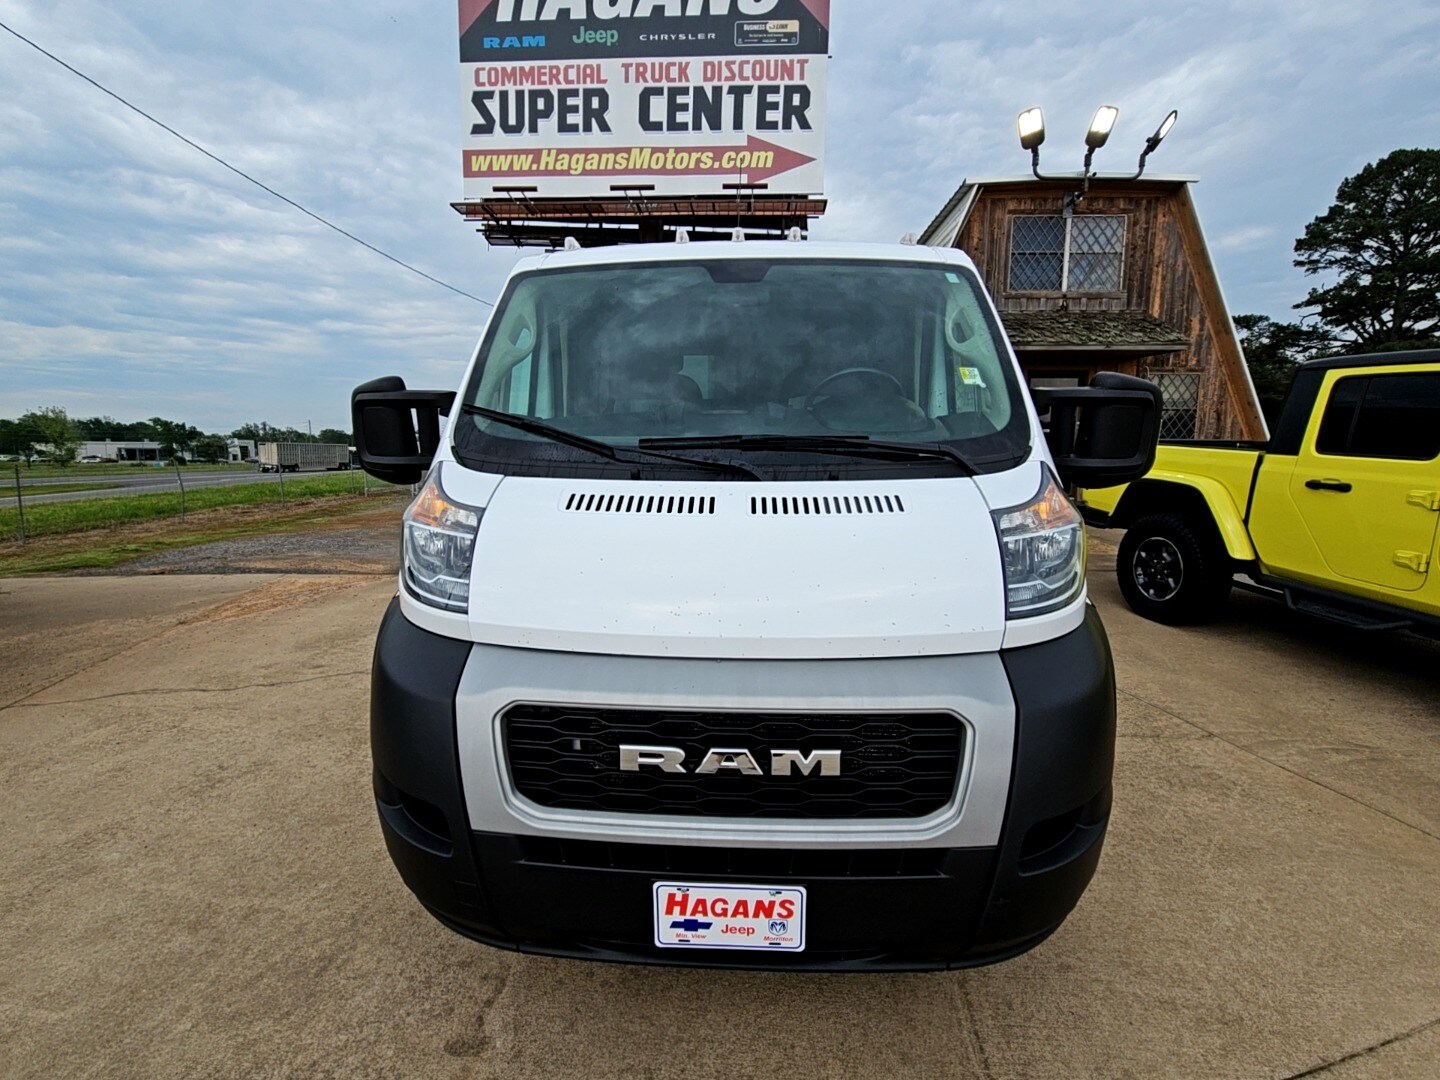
(729, 917)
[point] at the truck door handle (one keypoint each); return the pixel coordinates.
(1329, 485)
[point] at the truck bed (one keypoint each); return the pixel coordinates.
(1224, 471)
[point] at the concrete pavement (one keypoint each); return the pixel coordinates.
(194, 883)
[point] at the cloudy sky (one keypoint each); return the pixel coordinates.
(137, 278)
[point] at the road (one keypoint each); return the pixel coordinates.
(145, 481)
(194, 883)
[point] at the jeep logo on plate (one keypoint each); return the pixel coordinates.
(671, 759)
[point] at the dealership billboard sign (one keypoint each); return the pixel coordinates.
(581, 98)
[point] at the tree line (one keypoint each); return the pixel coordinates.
(1376, 255)
(53, 433)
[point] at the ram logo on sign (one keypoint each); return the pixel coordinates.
(575, 98)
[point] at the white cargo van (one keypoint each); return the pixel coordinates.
(742, 619)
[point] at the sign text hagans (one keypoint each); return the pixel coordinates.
(580, 10)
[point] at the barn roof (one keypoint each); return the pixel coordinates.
(1103, 331)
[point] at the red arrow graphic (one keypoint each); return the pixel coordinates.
(757, 161)
(784, 161)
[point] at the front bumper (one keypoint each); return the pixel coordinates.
(913, 907)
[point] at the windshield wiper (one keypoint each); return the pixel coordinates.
(851, 445)
(596, 446)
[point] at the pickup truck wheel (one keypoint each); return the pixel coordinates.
(1171, 572)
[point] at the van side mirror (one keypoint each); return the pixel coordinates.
(397, 431)
(1103, 434)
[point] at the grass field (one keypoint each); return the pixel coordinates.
(83, 515)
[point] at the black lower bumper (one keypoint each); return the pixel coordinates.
(876, 910)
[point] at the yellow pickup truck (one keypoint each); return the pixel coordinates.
(1337, 514)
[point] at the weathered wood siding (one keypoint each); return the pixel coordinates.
(1166, 272)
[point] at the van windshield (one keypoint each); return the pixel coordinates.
(703, 351)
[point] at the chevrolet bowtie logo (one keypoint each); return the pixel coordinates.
(690, 926)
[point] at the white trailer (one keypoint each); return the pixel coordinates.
(306, 457)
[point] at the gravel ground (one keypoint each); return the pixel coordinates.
(358, 544)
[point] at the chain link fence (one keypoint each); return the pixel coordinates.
(74, 500)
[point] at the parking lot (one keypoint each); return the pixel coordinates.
(194, 882)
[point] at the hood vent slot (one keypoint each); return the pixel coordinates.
(600, 503)
(825, 505)
(580, 502)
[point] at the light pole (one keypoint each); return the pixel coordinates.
(1031, 124)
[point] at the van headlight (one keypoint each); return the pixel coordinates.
(439, 547)
(1042, 545)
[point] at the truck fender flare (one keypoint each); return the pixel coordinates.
(1164, 491)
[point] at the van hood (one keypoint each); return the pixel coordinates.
(739, 570)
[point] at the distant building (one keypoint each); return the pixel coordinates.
(147, 450)
(1121, 280)
(243, 449)
(110, 449)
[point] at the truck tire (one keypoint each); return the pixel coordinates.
(1171, 571)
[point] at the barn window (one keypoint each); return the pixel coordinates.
(1037, 254)
(1180, 402)
(1079, 254)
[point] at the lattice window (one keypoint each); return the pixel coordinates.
(1097, 246)
(1037, 254)
(1180, 402)
(1079, 254)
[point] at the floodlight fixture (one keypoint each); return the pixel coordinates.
(1032, 129)
(1155, 140)
(1165, 126)
(1160, 133)
(1101, 126)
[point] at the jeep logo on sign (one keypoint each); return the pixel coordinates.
(671, 759)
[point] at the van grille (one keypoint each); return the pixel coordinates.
(894, 765)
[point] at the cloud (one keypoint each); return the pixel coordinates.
(1245, 239)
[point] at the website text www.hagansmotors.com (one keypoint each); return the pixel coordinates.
(649, 160)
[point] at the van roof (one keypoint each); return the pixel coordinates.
(751, 249)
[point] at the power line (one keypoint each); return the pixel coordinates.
(239, 172)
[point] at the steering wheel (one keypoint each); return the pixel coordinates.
(867, 372)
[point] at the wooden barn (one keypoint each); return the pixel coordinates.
(1118, 280)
